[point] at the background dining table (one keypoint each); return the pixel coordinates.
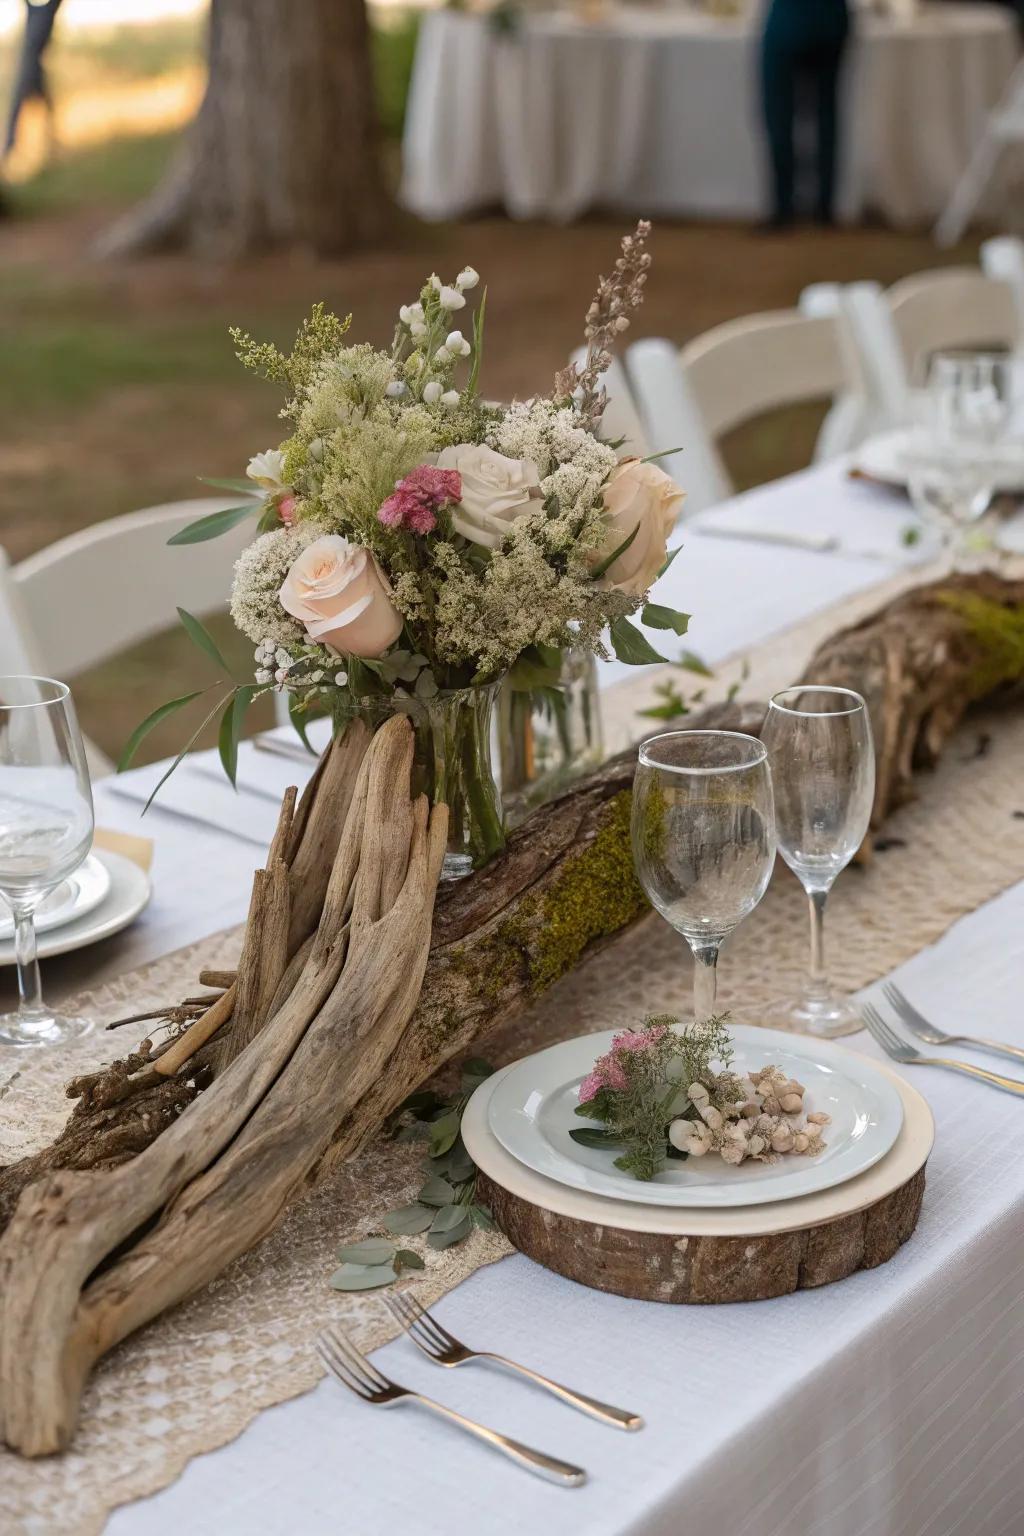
(656, 109)
(889, 1405)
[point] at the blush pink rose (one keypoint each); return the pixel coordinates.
(338, 592)
(643, 497)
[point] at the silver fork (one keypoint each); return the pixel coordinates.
(924, 1029)
(445, 1349)
(901, 1050)
(354, 1371)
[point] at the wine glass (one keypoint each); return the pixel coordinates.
(823, 770)
(703, 839)
(968, 416)
(46, 826)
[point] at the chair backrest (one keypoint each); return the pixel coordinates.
(97, 592)
(949, 308)
(1002, 258)
(672, 420)
(620, 422)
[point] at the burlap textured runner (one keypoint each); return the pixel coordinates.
(194, 1379)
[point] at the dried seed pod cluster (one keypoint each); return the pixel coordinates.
(760, 1116)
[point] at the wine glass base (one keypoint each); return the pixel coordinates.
(826, 1017)
(51, 1029)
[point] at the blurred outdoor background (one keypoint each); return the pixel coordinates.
(118, 384)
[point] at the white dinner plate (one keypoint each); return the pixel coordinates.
(532, 1112)
(885, 458)
(128, 892)
(73, 898)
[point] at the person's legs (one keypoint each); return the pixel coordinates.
(827, 64)
(777, 87)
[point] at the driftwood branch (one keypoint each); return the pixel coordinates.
(358, 981)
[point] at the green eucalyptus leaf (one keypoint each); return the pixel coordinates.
(657, 616)
(691, 662)
(444, 1134)
(474, 1072)
(214, 524)
(448, 1216)
(142, 730)
(406, 1258)
(409, 1220)
(245, 486)
(460, 1165)
(631, 645)
(201, 637)
(186, 749)
(297, 716)
(455, 1235)
(482, 1218)
(669, 559)
(371, 1251)
(436, 1191)
(362, 1277)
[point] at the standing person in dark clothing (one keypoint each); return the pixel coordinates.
(30, 80)
(801, 51)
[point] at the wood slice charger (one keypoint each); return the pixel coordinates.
(672, 1254)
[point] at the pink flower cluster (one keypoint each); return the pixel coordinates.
(419, 497)
(609, 1071)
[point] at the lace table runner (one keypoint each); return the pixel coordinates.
(194, 1379)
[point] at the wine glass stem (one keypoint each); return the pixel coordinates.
(29, 985)
(705, 982)
(817, 978)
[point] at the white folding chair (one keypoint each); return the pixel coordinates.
(730, 375)
(1004, 127)
(97, 592)
(1002, 258)
(952, 307)
(620, 423)
(851, 418)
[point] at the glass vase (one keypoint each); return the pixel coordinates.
(451, 763)
(548, 737)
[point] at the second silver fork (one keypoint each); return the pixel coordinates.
(902, 1050)
(925, 1030)
(445, 1349)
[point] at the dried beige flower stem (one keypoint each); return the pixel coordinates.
(607, 318)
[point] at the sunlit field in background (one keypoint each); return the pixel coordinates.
(118, 386)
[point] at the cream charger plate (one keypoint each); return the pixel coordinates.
(904, 1159)
(128, 892)
(532, 1113)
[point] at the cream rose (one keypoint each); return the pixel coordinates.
(495, 491)
(643, 497)
(336, 589)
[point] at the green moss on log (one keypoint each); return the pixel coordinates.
(998, 632)
(595, 895)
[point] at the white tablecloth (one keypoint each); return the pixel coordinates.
(888, 1406)
(657, 111)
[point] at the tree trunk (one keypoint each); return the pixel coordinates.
(283, 152)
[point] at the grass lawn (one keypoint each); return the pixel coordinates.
(118, 387)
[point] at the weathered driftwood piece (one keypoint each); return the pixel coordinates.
(660, 1267)
(219, 1178)
(920, 662)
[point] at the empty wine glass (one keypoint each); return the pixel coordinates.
(703, 839)
(823, 770)
(46, 826)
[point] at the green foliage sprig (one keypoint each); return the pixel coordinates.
(445, 1210)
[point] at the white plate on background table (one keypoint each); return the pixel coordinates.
(885, 458)
(128, 892)
(532, 1112)
(73, 898)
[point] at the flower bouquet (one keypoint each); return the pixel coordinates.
(417, 545)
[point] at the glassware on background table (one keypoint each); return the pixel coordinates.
(46, 828)
(972, 416)
(703, 839)
(823, 772)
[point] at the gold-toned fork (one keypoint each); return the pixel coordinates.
(902, 1050)
(369, 1384)
(445, 1349)
(925, 1030)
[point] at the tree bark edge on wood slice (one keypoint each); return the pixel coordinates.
(702, 1271)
